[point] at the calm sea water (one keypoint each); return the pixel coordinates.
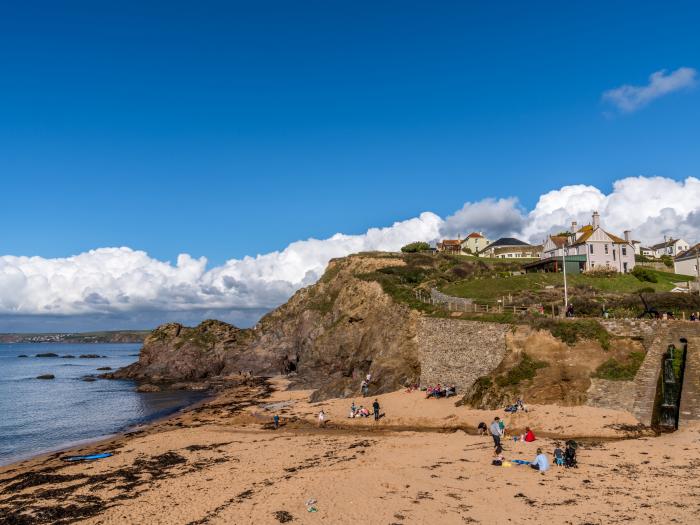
(42, 415)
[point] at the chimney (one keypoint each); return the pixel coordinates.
(574, 226)
(627, 235)
(596, 220)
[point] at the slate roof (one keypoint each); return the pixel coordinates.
(507, 241)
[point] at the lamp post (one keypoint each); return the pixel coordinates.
(566, 291)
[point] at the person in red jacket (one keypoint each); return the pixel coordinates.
(529, 435)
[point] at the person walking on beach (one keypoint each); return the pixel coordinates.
(496, 431)
(365, 388)
(375, 406)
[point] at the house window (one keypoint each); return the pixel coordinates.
(590, 248)
(624, 251)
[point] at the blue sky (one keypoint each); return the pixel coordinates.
(225, 128)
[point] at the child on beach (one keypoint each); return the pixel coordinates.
(558, 455)
(498, 458)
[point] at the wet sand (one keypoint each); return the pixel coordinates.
(223, 462)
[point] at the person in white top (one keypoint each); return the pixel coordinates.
(321, 418)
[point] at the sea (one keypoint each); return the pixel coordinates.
(38, 416)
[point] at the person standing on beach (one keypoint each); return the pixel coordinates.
(321, 418)
(496, 431)
(276, 420)
(375, 406)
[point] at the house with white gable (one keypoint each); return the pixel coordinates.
(672, 247)
(602, 248)
(586, 248)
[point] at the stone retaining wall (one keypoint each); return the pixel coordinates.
(459, 352)
(617, 395)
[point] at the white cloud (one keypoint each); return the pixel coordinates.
(629, 98)
(121, 284)
(117, 280)
(650, 207)
(501, 218)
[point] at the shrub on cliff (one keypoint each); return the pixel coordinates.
(644, 274)
(573, 331)
(524, 370)
(415, 247)
(614, 370)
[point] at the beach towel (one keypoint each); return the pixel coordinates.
(521, 462)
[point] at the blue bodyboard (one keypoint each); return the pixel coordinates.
(90, 457)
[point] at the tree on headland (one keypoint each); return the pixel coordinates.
(415, 247)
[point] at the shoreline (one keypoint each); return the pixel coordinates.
(222, 461)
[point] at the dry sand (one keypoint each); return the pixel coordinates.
(224, 463)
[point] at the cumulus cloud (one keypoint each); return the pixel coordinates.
(629, 98)
(650, 207)
(121, 287)
(110, 281)
(501, 218)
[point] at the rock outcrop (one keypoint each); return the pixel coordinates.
(330, 335)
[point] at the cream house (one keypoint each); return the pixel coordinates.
(601, 248)
(475, 242)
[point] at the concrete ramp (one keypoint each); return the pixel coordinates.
(690, 395)
(647, 376)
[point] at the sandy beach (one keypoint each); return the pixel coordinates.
(223, 462)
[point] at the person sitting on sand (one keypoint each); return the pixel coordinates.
(498, 458)
(481, 429)
(541, 462)
(528, 436)
(558, 455)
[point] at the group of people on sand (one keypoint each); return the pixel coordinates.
(518, 405)
(439, 390)
(364, 412)
(497, 430)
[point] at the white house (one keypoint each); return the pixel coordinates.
(511, 248)
(600, 248)
(687, 262)
(672, 247)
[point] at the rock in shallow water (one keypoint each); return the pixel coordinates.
(90, 356)
(46, 376)
(47, 354)
(22, 355)
(105, 368)
(68, 356)
(148, 388)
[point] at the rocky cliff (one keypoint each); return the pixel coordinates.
(331, 334)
